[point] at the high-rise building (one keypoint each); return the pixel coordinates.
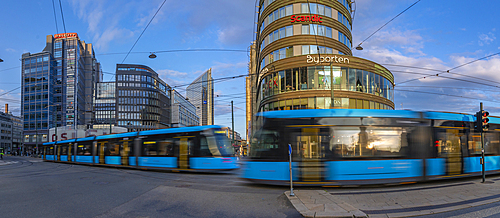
(105, 105)
(303, 60)
(58, 86)
(183, 112)
(201, 94)
(142, 98)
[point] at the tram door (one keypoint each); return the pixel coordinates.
(101, 146)
(45, 153)
(58, 153)
(125, 152)
(70, 146)
(183, 161)
(450, 149)
(309, 147)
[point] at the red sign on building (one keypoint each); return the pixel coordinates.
(65, 35)
(312, 18)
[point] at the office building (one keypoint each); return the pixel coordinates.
(58, 86)
(143, 99)
(183, 112)
(201, 94)
(105, 105)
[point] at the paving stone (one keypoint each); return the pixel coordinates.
(334, 208)
(339, 214)
(301, 208)
(315, 207)
(308, 200)
(308, 214)
(377, 216)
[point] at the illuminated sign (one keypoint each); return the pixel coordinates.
(147, 143)
(313, 18)
(220, 132)
(328, 59)
(65, 35)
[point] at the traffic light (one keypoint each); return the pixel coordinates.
(484, 120)
(478, 124)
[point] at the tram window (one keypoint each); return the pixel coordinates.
(370, 141)
(159, 146)
(204, 150)
(64, 150)
(50, 150)
(265, 144)
(84, 149)
(112, 149)
(491, 144)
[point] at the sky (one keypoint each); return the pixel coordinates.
(435, 35)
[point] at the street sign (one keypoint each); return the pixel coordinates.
(289, 149)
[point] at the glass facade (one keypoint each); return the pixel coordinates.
(320, 77)
(37, 92)
(183, 112)
(143, 100)
(200, 94)
(105, 103)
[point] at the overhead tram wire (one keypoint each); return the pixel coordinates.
(177, 50)
(448, 71)
(143, 30)
(55, 17)
(386, 23)
(62, 15)
(473, 61)
(441, 71)
(449, 87)
(459, 96)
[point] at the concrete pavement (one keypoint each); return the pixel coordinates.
(396, 201)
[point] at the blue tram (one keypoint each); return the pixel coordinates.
(335, 147)
(200, 148)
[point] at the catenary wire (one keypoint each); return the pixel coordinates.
(62, 15)
(143, 30)
(388, 23)
(55, 17)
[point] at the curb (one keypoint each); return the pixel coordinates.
(324, 205)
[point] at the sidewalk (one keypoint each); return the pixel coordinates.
(396, 201)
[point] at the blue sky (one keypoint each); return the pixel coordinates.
(432, 34)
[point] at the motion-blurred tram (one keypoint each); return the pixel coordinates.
(336, 147)
(200, 148)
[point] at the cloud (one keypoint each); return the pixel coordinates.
(221, 109)
(10, 50)
(223, 69)
(463, 29)
(233, 35)
(109, 35)
(485, 39)
(234, 19)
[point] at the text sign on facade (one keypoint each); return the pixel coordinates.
(312, 18)
(65, 35)
(328, 59)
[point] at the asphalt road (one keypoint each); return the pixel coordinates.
(32, 188)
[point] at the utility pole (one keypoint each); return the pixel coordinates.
(332, 105)
(232, 118)
(482, 140)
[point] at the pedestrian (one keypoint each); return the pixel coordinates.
(1, 154)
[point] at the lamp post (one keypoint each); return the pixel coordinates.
(332, 103)
(232, 122)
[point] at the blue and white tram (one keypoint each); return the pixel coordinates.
(354, 147)
(200, 148)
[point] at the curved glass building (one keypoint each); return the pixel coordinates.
(303, 60)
